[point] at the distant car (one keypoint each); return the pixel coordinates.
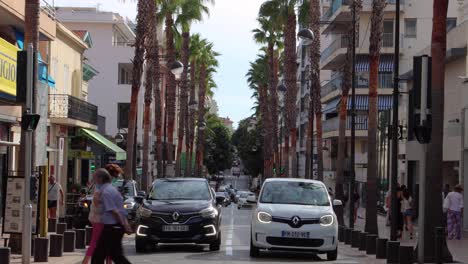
(179, 210)
(296, 215)
(243, 199)
(236, 171)
(227, 200)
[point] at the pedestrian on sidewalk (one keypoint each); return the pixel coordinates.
(53, 192)
(407, 211)
(115, 223)
(356, 199)
(454, 204)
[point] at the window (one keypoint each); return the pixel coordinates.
(387, 40)
(125, 73)
(451, 23)
(410, 27)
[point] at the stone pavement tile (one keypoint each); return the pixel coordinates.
(346, 254)
(67, 258)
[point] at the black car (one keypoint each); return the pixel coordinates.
(127, 188)
(226, 199)
(179, 210)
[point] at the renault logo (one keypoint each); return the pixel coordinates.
(175, 216)
(296, 220)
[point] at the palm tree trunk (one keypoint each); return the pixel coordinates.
(434, 217)
(183, 101)
(291, 85)
(136, 82)
(157, 97)
(372, 168)
(201, 115)
(191, 118)
(309, 169)
(170, 88)
(273, 102)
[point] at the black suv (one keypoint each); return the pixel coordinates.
(128, 189)
(179, 210)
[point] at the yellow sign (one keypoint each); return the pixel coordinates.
(8, 55)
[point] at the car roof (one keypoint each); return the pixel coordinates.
(182, 179)
(292, 180)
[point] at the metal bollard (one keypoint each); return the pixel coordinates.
(393, 252)
(61, 227)
(80, 238)
(381, 248)
(362, 241)
(355, 235)
(89, 232)
(439, 244)
(406, 255)
(341, 233)
(348, 232)
(56, 245)
(371, 244)
(41, 249)
(69, 241)
(52, 225)
(5, 253)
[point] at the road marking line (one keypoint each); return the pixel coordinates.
(229, 242)
(229, 236)
(229, 251)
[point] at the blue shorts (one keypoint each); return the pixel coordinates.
(408, 212)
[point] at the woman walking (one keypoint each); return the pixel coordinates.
(114, 222)
(407, 211)
(454, 203)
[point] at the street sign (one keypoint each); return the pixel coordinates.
(61, 148)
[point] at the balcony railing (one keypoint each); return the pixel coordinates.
(337, 4)
(130, 43)
(331, 86)
(341, 42)
(333, 124)
(385, 80)
(67, 106)
(48, 9)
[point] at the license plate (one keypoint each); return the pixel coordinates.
(175, 228)
(295, 234)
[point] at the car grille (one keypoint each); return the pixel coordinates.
(167, 217)
(306, 221)
(294, 242)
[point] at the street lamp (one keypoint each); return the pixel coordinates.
(177, 68)
(193, 105)
(305, 34)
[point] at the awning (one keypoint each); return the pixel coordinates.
(42, 71)
(331, 106)
(120, 154)
(384, 102)
(385, 63)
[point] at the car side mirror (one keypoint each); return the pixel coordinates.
(141, 193)
(220, 199)
(337, 203)
(138, 199)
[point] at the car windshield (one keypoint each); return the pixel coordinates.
(288, 192)
(126, 190)
(180, 190)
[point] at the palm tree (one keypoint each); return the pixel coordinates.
(375, 41)
(151, 56)
(434, 217)
(191, 11)
(138, 59)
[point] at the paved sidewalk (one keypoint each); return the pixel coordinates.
(458, 248)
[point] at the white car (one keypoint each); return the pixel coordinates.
(246, 199)
(294, 214)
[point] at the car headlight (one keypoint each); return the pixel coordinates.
(145, 212)
(264, 217)
(209, 212)
(129, 205)
(326, 220)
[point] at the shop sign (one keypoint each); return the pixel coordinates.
(8, 55)
(61, 147)
(81, 154)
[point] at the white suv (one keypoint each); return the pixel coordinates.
(294, 214)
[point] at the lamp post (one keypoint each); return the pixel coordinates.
(176, 68)
(352, 177)
(192, 107)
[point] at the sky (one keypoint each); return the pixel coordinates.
(229, 27)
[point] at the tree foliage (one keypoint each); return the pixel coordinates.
(247, 139)
(217, 145)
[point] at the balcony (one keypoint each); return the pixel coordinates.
(334, 54)
(332, 125)
(65, 106)
(332, 88)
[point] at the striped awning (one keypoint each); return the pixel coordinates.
(385, 63)
(384, 102)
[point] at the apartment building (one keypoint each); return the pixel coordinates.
(415, 30)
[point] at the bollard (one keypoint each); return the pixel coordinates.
(341, 233)
(5, 253)
(69, 241)
(406, 255)
(355, 235)
(439, 244)
(381, 248)
(61, 220)
(61, 227)
(70, 226)
(339, 214)
(52, 224)
(89, 232)
(362, 241)
(80, 238)
(393, 252)
(41, 249)
(371, 244)
(56, 245)
(348, 232)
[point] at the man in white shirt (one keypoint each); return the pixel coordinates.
(52, 197)
(454, 204)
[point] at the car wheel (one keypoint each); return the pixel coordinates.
(140, 245)
(254, 251)
(332, 255)
(216, 245)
